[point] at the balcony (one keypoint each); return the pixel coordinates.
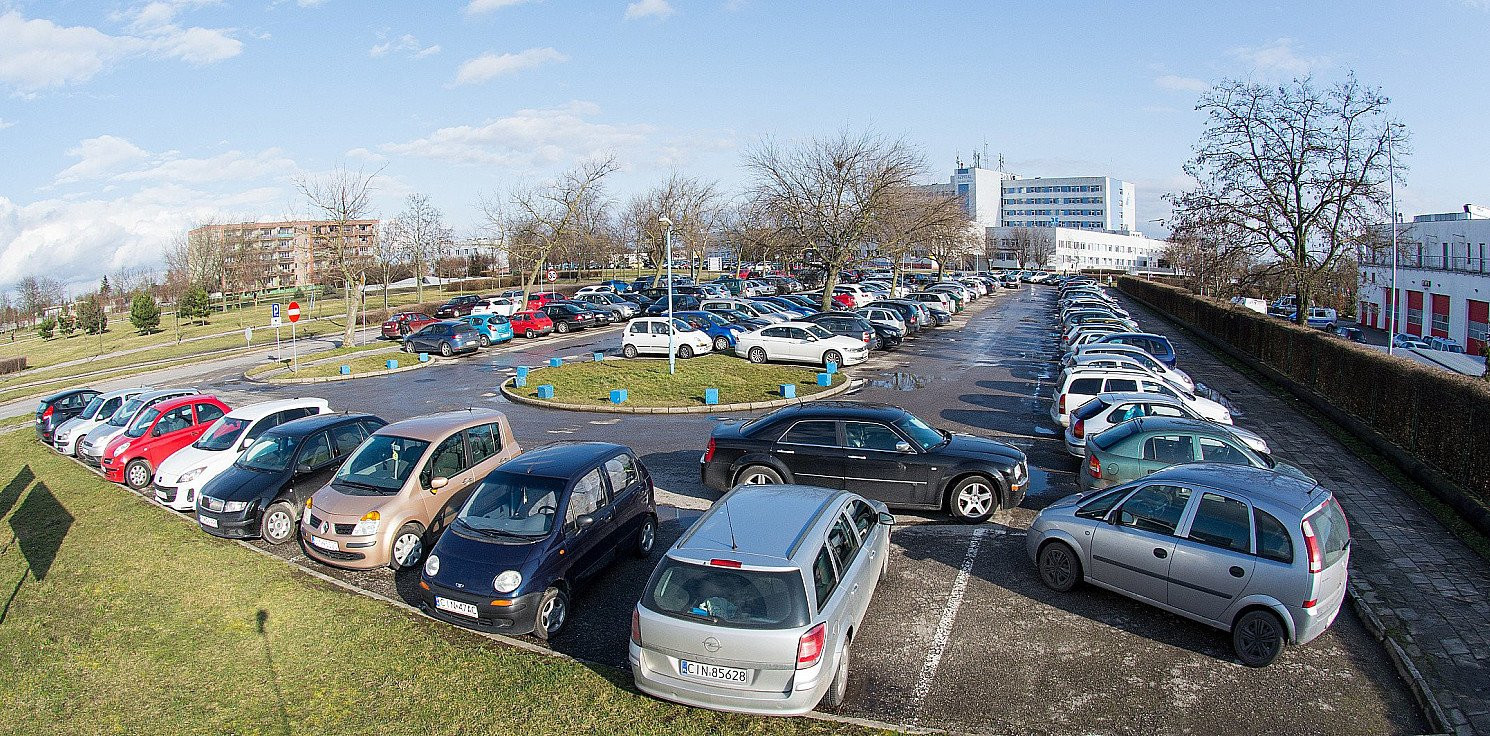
(1420, 261)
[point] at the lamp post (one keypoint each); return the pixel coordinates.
(672, 338)
(1392, 183)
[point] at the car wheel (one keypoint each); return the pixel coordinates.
(973, 500)
(646, 537)
(137, 474)
(685, 352)
(279, 523)
(485, 341)
(445, 349)
(553, 609)
(628, 350)
(1257, 638)
(833, 356)
(721, 344)
(757, 355)
(1059, 567)
(838, 689)
(757, 475)
(528, 333)
(408, 547)
(561, 327)
(408, 348)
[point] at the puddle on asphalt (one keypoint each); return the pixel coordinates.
(1039, 482)
(901, 381)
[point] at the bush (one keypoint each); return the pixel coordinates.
(46, 327)
(144, 313)
(194, 306)
(91, 317)
(66, 324)
(12, 365)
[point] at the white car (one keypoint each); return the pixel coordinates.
(1100, 360)
(650, 335)
(181, 476)
(940, 301)
(65, 439)
(91, 447)
(800, 342)
(1106, 411)
(1076, 386)
(502, 305)
(596, 289)
(1132, 352)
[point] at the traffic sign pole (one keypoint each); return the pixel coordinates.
(294, 314)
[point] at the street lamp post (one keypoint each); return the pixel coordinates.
(672, 339)
(1392, 298)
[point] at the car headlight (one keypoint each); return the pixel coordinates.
(234, 506)
(190, 475)
(120, 450)
(432, 566)
(367, 525)
(507, 581)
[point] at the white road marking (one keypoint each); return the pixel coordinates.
(943, 633)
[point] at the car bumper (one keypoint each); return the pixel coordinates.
(808, 688)
(352, 553)
(229, 526)
(518, 618)
(113, 469)
(180, 498)
(714, 475)
(1074, 446)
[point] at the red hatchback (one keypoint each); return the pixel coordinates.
(529, 323)
(402, 324)
(132, 457)
(537, 299)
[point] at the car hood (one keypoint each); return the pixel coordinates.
(981, 448)
(238, 483)
(331, 500)
(1211, 410)
(470, 564)
(190, 457)
(100, 436)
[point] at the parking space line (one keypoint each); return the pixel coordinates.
(943, 633)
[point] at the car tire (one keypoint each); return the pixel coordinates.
(552, 611)
(406, 347)
(1258, 637)
(528, 333)
(838, 688)
(278, 524)
(646, 537)
(628, 350)
(561, 327)
(832, 356)
(137, 474)
(973, 499)
(445, 350)
(485, 341)
(757, 355)
(758, 475)
(721, 344)
(407, 548)
(1059, 567)
(685, 351)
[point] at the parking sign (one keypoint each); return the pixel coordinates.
(274, 318)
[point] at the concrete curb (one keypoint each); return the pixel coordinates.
(328, 379)
(514, 397)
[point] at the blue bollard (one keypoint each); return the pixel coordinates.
(546, 391)
(424, 357)
(788, 390)
(391, 364)
(824, 379)
(346, 370)
(522, 373)
(599, 357)
(555, 362)
(711, 396)
(618, 396)
(832, 368)
(520, 382)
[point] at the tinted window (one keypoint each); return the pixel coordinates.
(864, 517)
(1222, 522)
(346, 438)
(1273, 541)
(448, 460)
(1097, 508)
(736, 598)
(622, 472)
(824, 576)
(1122, 385)
(588, 495)
(317, 450)
(1216, 451)
(1090, 386)
(843, 541)
(820, 433)
(208, 413)
(1170, 449)
(483, 442)
(776, 332)
(870, 436)
(1155, 509)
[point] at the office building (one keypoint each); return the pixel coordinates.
(272, 255)
(1069, 249)
(1443, 278)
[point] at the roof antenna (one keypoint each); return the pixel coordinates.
(731, 522)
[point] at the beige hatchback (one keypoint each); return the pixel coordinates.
(401, 486)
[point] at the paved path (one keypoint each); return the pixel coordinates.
(1428, 588)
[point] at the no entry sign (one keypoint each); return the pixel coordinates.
(293, 312)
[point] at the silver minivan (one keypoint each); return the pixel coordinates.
(754, 609)
(1251, 551)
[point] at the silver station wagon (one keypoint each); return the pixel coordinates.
(754, 609)
(1255, 552)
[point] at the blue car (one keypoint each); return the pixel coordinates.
(493, 328)
(789, 305)
(621, 287)
(535, 528)
(722, 331)
(1155, 345)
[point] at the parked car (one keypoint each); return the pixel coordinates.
(404, 323)
(681, 302)
(650, 335)
(401, 487)
(181, 476)
(719, 329)
(501, 305)
(535, 530)
(531, 324)
(912, 313)
(538, 299)
(91, 447)
(446, 337)
(800, 342)
(940, 300)
(1156, 345)
(459, 306)
(1260, 554)
(1322, 318)
(262, 494)
(878, 451)
(1142, 446)
(69, 433)
(132, 457)
(1137, 360)
(491, 329)
(1446, 344)
(1105, 411)
(791, 308)
(846, 324)
(746, 322)
(761, 311)
(1352, 334)
(1074, 387)
(57, 408)
(755, 608)
(605, 288)
(621, 308)
(568, 317)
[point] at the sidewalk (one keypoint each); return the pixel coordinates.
(1427, 590)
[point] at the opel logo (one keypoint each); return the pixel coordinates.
(711, 644)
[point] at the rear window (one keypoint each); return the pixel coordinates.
(1332, 531)
(1113, 436)
(1089, 409)
(744, 599)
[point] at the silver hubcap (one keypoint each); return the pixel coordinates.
(406, 549)
(649, 536)
(721, 344)
(138, 476)
(975, 499)
(551, 616)
(757, 356)
(758, 478)
(279, 525)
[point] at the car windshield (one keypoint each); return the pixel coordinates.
(89, 410)
(222, 434)
(745, 599)
(924, 434)
(122, 416)
(513, 505)
(681, 326)
(271, 452)
(142, 424)
(380, 466)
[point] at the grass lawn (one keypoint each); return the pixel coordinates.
(647, 382)
(324, 354)
(123, 620)
(363, 364)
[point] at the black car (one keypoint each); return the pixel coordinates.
(263, 493)
(846, 324)
(537, 526)
(681, 303)
(568, 317)
(602, 317)
(458, 307)
(878, 451)
(58, 408)
(446, 337)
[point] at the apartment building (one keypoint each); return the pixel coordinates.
(271, 255)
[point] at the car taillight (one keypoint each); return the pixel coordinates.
(810, 646)
(636, 627)
(1078, 430)
(1061, 404)
(709, 450)
(866, 338)
(1311, 546)
(735, 564)
(48, 413)
(1094, 466)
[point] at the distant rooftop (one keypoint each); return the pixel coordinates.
(1471, 212)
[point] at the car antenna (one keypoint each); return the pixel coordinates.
(729, 520)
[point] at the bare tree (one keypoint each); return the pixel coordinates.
(691, 204)
(752, 235)
(420, 232)
(535, 220)
(390, 258)
(826, 192)
(37, 294)
(199, 257)
(950, 243)
(341, 198)
(909, 219)
(1295, 171)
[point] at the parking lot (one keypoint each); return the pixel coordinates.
(962, 636)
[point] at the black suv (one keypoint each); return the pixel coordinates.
(458, 307)
(568, 317)
(875, 450)
(58, 408)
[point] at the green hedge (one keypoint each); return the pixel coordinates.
(1440, 418)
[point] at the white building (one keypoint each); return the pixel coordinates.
(1086, 202)
(1076, 249)
(1443, 278)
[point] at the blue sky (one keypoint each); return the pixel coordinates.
(122, 124)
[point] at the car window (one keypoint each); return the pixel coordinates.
(868, 436)
(316, 451)
(1154, 387)
(818, 433)
(1216, 451)
(482, 442)
(208, 413)
(844, 542)
(1222, 522)
(659, 328)
(1155, 508)
(588, 495)
(638, 328)
(1273, 542)
(622, 472)
(1121, 385)
(824, 576)
(734, 598)
(174, 420)
(346, 438)
(864, 516)
(1165, 410)
(447, 461)
(1125, 412)
(776, 332)
(1171, 449)
(1331, 529)
(1086, 386)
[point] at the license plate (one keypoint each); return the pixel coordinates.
(712, 672)
(460, 607)
(207, 521)
(316, 541)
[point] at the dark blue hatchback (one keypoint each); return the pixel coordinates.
(537, 526)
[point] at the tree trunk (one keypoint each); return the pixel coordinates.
(350, 333)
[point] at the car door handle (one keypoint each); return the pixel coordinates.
(857, 457)
(1237, 572)
(1160, 552)
(787, 452)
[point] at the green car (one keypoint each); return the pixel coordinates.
(1138, 447)
(957, 300)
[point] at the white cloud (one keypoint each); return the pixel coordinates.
(1176, 83)
(232, 166)
(486, 6)
(649, 9)
(364, 154)
(98, 157)
(1280, 58)
(488, 66)
(525, 139)
(6, 123)
(406, 43)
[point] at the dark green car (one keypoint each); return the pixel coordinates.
(1138, 447)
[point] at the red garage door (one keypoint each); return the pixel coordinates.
(1440, 324)
(1479, 324)
(1415, 313)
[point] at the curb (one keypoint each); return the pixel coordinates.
(705, 409)
(329, 379)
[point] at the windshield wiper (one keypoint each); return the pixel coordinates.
(360, 484)
(493, 532)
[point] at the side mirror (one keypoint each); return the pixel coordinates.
(303, 468)
(902, 446)
(438, 482)
(245, 444)
(583, 522)
(886, 519)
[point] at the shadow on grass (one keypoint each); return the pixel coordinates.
(260, 619)
(39, 525)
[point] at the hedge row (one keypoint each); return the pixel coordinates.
(12, 365)
(1440, 418)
